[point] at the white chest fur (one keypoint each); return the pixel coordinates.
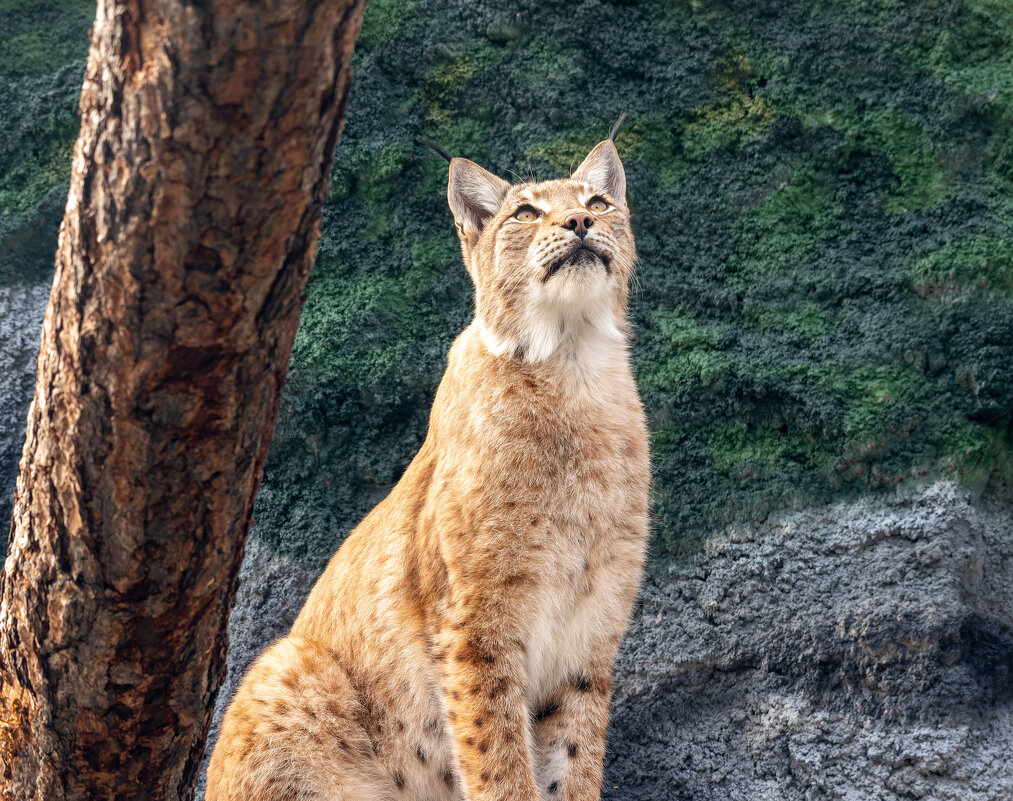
(560, 642)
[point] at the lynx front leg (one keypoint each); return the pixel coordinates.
(489, 719)
(569, 738)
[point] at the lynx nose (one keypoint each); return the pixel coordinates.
(578, 222)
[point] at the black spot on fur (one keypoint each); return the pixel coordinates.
(571, 750)
(546, 711)
(420, 754)
(448, 778)
(399, 779)
(582, 684)
(553, 787)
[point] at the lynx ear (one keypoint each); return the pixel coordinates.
(603, 169)
(475, 196)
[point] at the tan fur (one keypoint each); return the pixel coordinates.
(460, 643)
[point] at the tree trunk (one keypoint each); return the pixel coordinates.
(207, 133)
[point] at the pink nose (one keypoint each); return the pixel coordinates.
(578, 222)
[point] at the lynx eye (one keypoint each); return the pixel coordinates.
(597, 205)
(526, 214)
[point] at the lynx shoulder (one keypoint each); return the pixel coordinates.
(460, 643)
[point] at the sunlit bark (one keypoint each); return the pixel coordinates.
(207, 133)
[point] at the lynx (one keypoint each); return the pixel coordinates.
(460, 643)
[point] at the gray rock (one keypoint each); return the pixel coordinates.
(22, 307)
(270, 594)
(852, 652)
(857, 651)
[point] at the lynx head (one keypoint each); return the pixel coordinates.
(551, 261)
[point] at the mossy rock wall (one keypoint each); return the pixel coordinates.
(822, 199)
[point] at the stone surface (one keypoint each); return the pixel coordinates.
(855, 651)
(271, 591)
(22, 307)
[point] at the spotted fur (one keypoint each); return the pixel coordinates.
(460, 643)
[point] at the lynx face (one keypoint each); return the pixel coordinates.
(551, 261)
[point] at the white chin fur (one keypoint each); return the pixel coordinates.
(571, 317)
(572, 308)
(576, 287)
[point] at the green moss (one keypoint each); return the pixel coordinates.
(921, 180)
(975, 453)
(728, 123)
(773, 462)
(663, 440)
(1002, 155)
(680, 353)
(972, 56)
(462, 136)
(657, 143)
(373, 176)
(671, 146)
(459, 133)
(806, 324)
(435, 253)
(966, 44)
(868, 394)
(738, 116)
(40, 170)
(749, 448)
(361, 328)
(67, 8)
(36, 50)
(786, 228)
(870, 122)
(565, 152)
(866, 398)
(35, 162)
(443, 84)
(981, 263)
(371, 172)
(547, 62)
(385, 20)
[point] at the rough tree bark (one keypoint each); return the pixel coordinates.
(207, 134)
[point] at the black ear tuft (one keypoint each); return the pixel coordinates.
(435, 148)
(615, 128)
